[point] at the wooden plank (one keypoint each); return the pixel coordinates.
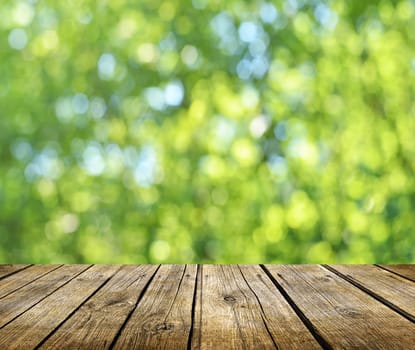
(285, 327)
(8, 269)
(16, 303)
(163, 317)
(29, 329)
(391, 289)
(11, 283)
(344, 316)
(96, 323)
(404, 270)
(229, 314)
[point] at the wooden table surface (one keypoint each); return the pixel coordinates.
(207, 306)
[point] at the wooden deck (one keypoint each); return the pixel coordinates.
(207, 307)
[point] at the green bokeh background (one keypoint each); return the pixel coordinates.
(207, 131)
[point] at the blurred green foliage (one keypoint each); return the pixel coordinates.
(207, 131)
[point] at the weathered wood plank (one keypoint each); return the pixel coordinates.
(285, 327)
(404, 270)
(393, 290)
(16, 303)
(96, 323)
(11, 283)
(29, 329)
(230, 316)
(8, 269)
(343, 315)
(163, 317)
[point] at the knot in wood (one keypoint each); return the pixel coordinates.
(164, 326)
(229, 298)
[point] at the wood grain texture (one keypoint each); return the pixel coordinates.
(389, 288)
(344, 316)
(29, 329)
(163, 317)
(285, 327)
(230, 313)
(404, 270)
(207, 307)
(13, 282)
(16, 303)
(97, 322)
(6, 270)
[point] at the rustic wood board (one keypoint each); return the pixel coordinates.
(391, 289)
(207, 307)
(405, 270)
(27, 331)
(230, 313)
(24, 298)
(6, 270)
(163, 317)
(97, 322)
(285, 327)
(20, 279)
(343, 316)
